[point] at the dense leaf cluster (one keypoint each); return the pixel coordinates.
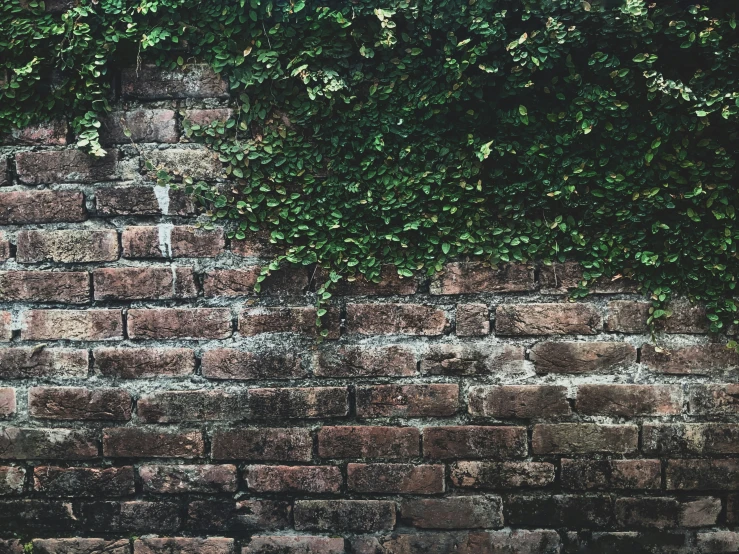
(415, 131)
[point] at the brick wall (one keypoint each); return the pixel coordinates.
(150, 402)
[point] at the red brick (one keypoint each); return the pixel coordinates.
(702, 475)
(363, 361)
(151, 82)
(472, 320)
(65, 166)
(584, 438)
(459, 542)
(12, 480)
(281, 445)
(7, 403)
(18, 443)
(394, 443)
(191, 242)
(140, 125)
(4, 247)
(67, 246)
(395, 478)
(254, 321)
(141, 200)
(395, 319)
(290, 544)
(627, 316)
(179, 479)
(686, 318)
(144, 363)
(559, 278)
(181, 545)
(665, 513)
(143, 242)
(471, 359)
(474, 278)
(131, 516)
(703, 439)
(629, 400)
(192, 405)
(229, 363)
(204, 118)
(74, 403)
(294, 479)
(520, 401)
(690, 360)
(474, 442)
(84, 481)
(547, 319)
(299, 403)
(137, 283)
(42, 206)
(81, 546)
(198, 163)
(48, 133)
(72, 325)
(231, 282)
(132, 442)
(407, 400)
(339, 516)
(389, 284)
(66, 287)
(611, 474)
(6, 326)
(255, 245)
(179, 323)
(555, 510)
(456, 512)
(25, 363)
(581, 357)
(714, 400)
(501, 475)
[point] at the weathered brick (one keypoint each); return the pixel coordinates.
(81, 546)
(547, 319)
(144, 242)
(48, 133)
(394, 443)
(139, 126)
(74, 246)
(686, 318)
(457, 512)
(179, 479)
(474, 442)
(137, 442)
(501, 475)
(732, 509)
(294, 545)
(72, 325)
(33, 516)
(344, 515)
(75, 403)
(557, 510)
(519, 401)
(181, 545)
(84, 481)
(11, 546)
(521, 541)
(65, 166)
(472, 320)
(299, 403)
(665, 513)
(141, 200)
(137, 283)
(690, 438)
(204, 118)
(179, 323)
(150, 82)
(702, 475)
(644, 541)
(6, 326)
(17, 443)
(584, 438)
(68, 287)
(363, 361)
(689, 360)
(230, 363)
(717, 541)
(627, 316)
(7, 403)
(4, 179)
(12, 480)
(245, 516)
(255, 245)
(25, 363)
(197, 163)
(294, 479)
(191, 242)
(559, 278)
(581, 357)
(407, 400)
(471, 359)
(144, 363)
(462, 542)
(231, 282)
(390, 284)
(294, 445)
(395, 478)
(395, 319)
(714, 400)
(611, 474)
(41, 206)
(132, 516)
(629, 400)
(4, 248)
(255, 321)
(193, 405)
(475, 277)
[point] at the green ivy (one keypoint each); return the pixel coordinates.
(413, 132)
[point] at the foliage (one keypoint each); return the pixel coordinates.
(412, 132)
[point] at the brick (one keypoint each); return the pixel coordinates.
(294, 545)
(65, 166)
(42, 206)
(231, 282)
(559, 278)
(407, 400)
(181, 545)
(75, 246)
(32, 516)
(131, 516)
(714, 400)
(281, 445)
(732, 509)
(84, 481)
(73, 325)
(81, 546)
(501, 475)
(584, 438)
(389, 284)
(255, 321)
(521, 541)
(362, 361)
(6, 326)
(179, 479)
(229, 363)
(472, 320)
(144, 242)
(4, 180)
(204, 118)
(395, 319)
(689, 360)
(690, 438)
(686, 318)
(629, 400)
(474, 278)
(657, 541)
(627, 316)
(141, 200)
(581, 357)
(471, 359)
(179, 323)
(18, 443)
(12, 480)
(191, 242)
(457, 512)
(611, 474)
(392, 443)
(461, 542)
(474, 442)
(25, 363)
(521, 401)
(150, 82)
(299, 403)
(134, 442)
(294, 479)
(144, 283)
(344, 515)
(198, 163)
(144, 363)
(665, 513)
(7, 403)
(48, 133)
(72, 403)
(192, 405)
(244, 516)
(559, 510)
(67, 287)
(717, 541)
(255, 245)
(547, 319)
(4, 248)
(702, 475)
(11, 546)
(141, 126)
(395, 478)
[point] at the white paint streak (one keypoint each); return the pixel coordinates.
(162, 194)
(165, 239)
